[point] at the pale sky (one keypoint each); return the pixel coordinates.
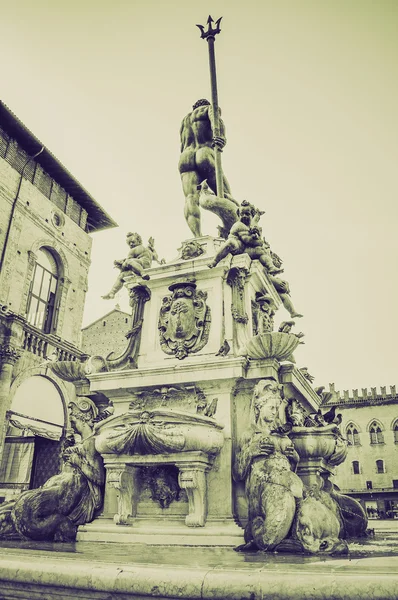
(309, 94)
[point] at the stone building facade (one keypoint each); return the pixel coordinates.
(370, 423)
(107, 334)
(45, 220)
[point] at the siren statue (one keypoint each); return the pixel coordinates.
(70, 498)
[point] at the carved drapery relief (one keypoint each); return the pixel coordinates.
(184, 320)
(192, 479)
(146, 434)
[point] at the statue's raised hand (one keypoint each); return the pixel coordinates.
(219, 141)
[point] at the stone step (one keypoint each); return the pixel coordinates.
(166, 533)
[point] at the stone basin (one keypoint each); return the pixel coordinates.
(272, 345)
(158, 431)
(320, 442)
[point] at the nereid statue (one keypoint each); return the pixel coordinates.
(68, 499)
(265, 462)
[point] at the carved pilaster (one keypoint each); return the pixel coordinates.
(236, 279)
(263, 312)
(124, 481)
(193, 480)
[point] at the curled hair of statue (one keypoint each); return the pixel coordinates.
(136, 235)
(201, 102)
(83, 409)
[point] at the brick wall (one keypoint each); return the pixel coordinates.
(107, 334)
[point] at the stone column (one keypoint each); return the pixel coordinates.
(9, 355)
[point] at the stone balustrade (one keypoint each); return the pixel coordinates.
(47, 345)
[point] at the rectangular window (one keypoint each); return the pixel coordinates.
(369, 485)
(379, 466)
(32, 310)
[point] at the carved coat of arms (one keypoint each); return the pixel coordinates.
(184, 320)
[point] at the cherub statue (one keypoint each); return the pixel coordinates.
(246, 237)
(138, 259)
(264, 462)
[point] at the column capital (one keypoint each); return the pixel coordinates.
(9, 354)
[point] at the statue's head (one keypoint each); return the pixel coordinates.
(266, 403)
(82, 410)
(266, 304)
(201, 102)
(133, 239)
(246, 212)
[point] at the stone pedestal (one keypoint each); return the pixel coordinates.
(196, 323)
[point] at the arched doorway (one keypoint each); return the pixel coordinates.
(35, 428)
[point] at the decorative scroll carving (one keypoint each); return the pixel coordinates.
(184, 320)
(123, 480)
(193, 481)
(139, 295)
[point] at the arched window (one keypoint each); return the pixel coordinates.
(396, 432)
(43, 290)
(355, 467)
(352, 435)
(376, 434)
(380, 466)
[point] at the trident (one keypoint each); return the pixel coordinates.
(209, 36)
